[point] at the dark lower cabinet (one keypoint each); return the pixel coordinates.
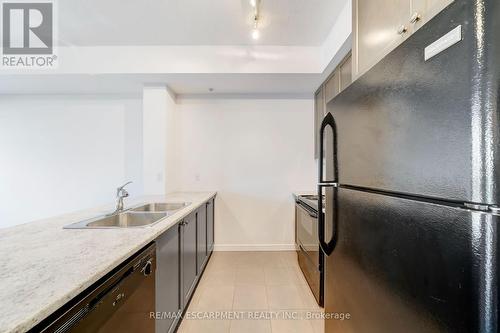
(210, 225)
(182, 254)
(188, 257)
(168, 298)
(201, 223)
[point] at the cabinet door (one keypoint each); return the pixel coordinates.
(377, 30)
(188, 257)
(319, 113)
(424, 10)
(346, 73)
(332, 86)
(201, 225)
(210, 225)
(168, 296)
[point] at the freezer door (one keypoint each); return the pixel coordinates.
(402, 265)
(428, 128)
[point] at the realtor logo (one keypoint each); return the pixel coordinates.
(28, 29)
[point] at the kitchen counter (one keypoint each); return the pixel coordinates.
(299, 193)
(43, 266)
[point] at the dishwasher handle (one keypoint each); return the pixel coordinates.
(147, 268)
(112, 288)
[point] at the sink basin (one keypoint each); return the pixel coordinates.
(122, 220)
(140, 216)
(161, 207)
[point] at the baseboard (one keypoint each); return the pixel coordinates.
(254, 247)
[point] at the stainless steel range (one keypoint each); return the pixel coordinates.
(306, 238)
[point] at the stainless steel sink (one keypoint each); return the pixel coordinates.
(140, 216)
(161, 207)
(126, 219)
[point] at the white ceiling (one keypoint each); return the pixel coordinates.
(185, 85)
(184, 45)
(194, 22)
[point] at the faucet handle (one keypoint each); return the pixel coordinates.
(122, 190)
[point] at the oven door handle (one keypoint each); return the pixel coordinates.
(312, 213)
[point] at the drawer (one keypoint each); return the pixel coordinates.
(311, 273)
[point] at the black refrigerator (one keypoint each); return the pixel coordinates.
(409, 165)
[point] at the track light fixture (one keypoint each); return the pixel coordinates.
(256, 16)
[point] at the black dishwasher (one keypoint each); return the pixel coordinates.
(120, 302)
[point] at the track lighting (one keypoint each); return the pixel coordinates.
(256, 17)
(255, 33)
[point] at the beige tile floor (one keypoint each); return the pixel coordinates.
(267, 286)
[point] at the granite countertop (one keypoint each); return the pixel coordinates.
(299, 193)
(43, 266)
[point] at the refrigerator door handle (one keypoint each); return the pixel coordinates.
(328, 121)
(327, 246)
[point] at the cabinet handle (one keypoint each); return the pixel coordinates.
(415, 17)
(402, 30)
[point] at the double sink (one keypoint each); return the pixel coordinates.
(139, 216)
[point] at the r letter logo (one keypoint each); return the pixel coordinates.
(28, 29)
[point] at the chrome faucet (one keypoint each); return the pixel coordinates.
(121, 193)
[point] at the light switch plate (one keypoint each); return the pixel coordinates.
(451, 38)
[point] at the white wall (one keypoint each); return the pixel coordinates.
(64, 153)
(158, 113)
(255, 153)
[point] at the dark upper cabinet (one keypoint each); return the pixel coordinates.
(168, 296)
(201, 224)
(188, 257)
